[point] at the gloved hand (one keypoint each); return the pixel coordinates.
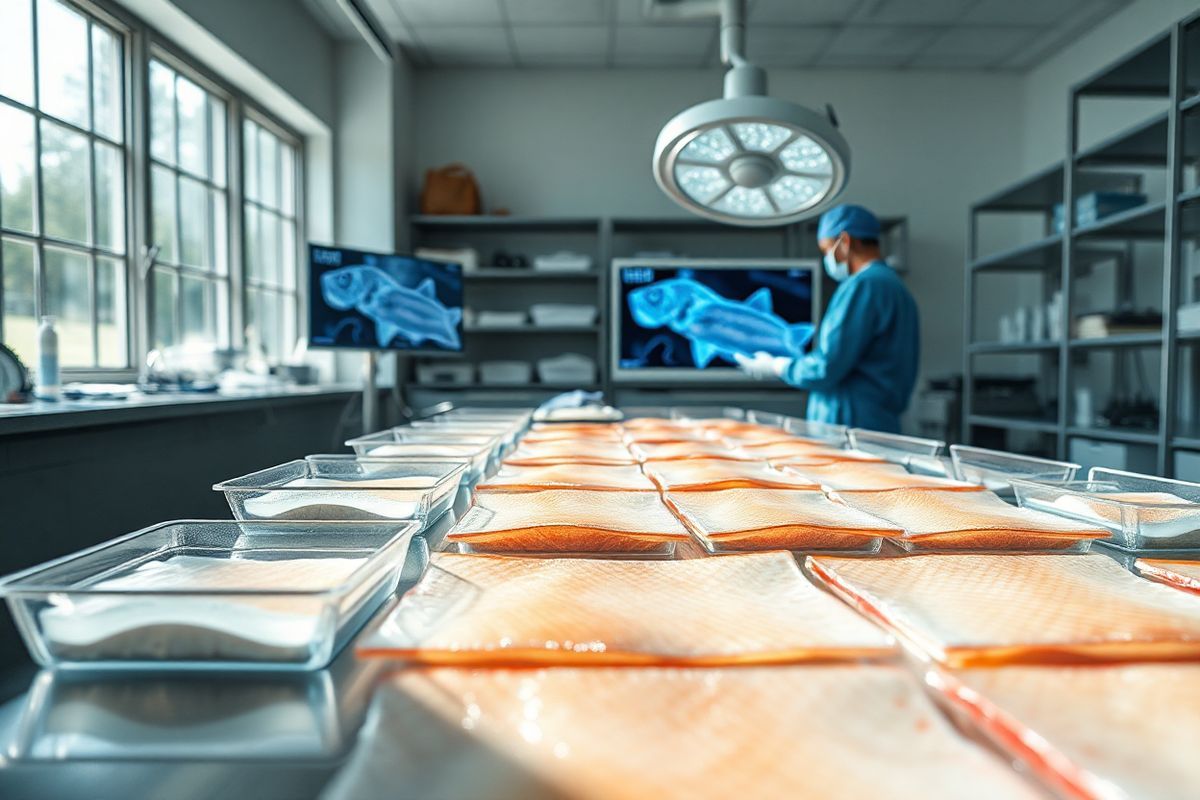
(764, 365)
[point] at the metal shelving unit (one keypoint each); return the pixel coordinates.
(1166, 68)
(511, 288)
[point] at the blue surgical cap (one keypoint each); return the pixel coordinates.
(854, 220)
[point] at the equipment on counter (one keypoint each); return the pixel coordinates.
(686, 320)
(376, 301)
(748, 159)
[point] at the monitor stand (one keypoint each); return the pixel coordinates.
(370, 401)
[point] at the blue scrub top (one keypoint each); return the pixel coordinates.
(863, 365)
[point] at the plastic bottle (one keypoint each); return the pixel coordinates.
(48, 387)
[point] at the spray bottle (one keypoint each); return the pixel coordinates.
(48, 387)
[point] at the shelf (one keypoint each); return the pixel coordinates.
(1145, 144)
(528, 274)
(1143, 222)
(1038, 192)
(531, 386)
(1115, 435)
(1145, 72)
(1189, 103)
(1120, 340)
(1189, 196)
(979, 348)
(520, 329)
(507, 222)
(1032, 257)
(1186, 442)
(1014, 423)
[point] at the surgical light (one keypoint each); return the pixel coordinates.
(749, 159)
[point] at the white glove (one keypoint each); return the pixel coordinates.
(764, 365)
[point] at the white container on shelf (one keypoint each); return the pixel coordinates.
(504, 372)
(566, 315)
(571, 368)
(562, 261)
(458, 373)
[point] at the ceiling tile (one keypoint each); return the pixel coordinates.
(801, 12)
(449, 12)
(557, 41)
(670, 41)
(564, 60)
(557, 12)
(786, 46)
(1020, 12)
(465, 46)
(911, 12)
(629, 12)
(976, 43)
(878, 43)
(838, 60)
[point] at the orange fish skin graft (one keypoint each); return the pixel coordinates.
(568, 521)
(728, 611)
(712, 474)
(1096, 732)
(848, 476)
(701, 734)
(766, 519)
(1183, 575)
(568, 476)
(990, 610)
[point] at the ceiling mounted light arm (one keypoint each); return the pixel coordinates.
(749, 159)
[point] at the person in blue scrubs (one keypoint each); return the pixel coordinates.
(861, 366)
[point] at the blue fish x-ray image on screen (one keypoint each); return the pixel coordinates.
(374, 301)
(676, 318)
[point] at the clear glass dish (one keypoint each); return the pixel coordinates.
(82, 715)
(386, 444)
(210, 594)
(918, 455)
(994, 469)
(337, 487)
(706, 412)
(1143, 512)
(659, 551)
(817, 431)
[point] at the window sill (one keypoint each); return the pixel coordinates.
(40, 416)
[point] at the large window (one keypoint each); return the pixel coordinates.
(190, 280)
(63, 168)
(269, 186)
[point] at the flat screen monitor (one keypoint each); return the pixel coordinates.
(378, 301)
(684, 320)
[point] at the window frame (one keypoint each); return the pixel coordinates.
(125, 28)
(260, 117)
(142, 43)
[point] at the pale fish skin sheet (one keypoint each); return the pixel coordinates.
(847, 476)
(732, 610)
(984, 610)
(1183, 575)
(844, 732)
(568, 476)
(710, 474)
(1126, 732)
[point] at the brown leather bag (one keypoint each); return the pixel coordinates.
(450, 190)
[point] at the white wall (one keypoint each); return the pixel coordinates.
(1045, 89)
(568, 142)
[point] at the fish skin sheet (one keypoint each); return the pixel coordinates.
(709, 474)
(732, 610)
(673, 451)
(1124, 731)
(838, 732)
(953, 520)
(568, 521)
(847, 476)
(782, 454)
(989, 610)
(571, 451)
(771, 519)
(1184, 575)
(568, 476)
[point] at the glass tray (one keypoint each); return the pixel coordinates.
(335, 487)
(994, 469)
(197, 594)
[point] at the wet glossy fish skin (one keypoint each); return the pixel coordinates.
(990, 610)
(848, 476)
(733, 610)
(630, 734)
(708, 474)
(568, 476)
(1089, 732)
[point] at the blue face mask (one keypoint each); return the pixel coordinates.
(838, 270)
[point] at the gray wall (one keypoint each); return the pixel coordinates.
(567, 142)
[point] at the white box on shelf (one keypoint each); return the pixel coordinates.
(468, 257)
(1090, 453)
(569, 368)
(567, 315)
(500, 319)
(505, 372)
(457, 373)
(562, 261)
